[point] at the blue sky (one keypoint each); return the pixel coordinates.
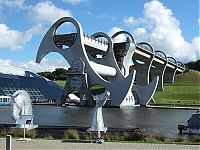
(168, 25)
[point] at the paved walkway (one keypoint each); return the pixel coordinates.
(58, 144)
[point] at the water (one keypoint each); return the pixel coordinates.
(158, 121)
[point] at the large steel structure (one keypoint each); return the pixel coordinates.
(130, 71)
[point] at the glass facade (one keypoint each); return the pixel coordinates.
(38, 88)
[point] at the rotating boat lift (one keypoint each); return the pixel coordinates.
(95, 62)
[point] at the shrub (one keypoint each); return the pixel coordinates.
(16, 132)
(49, 136)
(195, 139)
(71, 134)
(20, 132)
(136, 135)
(160, 137)
(106, 137)
(87, 136)
(31, 133)
(125, 136)
(4, 132)
(114, 137)
(150, 138)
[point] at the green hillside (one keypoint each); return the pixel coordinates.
(191, 77)
(185, 90)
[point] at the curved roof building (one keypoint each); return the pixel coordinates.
(38, 87)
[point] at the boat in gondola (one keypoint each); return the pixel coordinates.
(5, 100)
(192, 125)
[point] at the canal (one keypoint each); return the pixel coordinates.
(153, 120)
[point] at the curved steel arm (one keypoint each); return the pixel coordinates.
(181, 64)
(129, 54)
(158, 51)
(168, 58)
(101, 34)
(145, 43)
(123, 32)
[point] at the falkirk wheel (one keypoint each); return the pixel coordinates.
(130, 71)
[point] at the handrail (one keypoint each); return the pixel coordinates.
(123, 32)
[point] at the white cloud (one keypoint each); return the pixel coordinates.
(141, 34)
(130, 21)
(36, 30)
(162, 30)
(8, 7)
(196, 45)
(45, 65)
(47, 12)
(120, 37)
(41, 13)
(75, 2)
(14, 39)
(12, 3)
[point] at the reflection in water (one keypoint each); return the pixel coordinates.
(150, 119)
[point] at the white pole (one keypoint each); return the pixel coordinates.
(98, 123)
(24, 132)
(99, 133)
(24, 124)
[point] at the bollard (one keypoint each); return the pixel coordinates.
(8, 142)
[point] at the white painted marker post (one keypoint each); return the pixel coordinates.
(8, 142)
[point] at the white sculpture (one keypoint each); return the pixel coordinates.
(22, 111)
(97, 120)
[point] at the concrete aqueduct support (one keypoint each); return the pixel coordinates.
(158, 69)
(143, 69)
(170, 70)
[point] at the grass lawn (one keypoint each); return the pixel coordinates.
(60, 83)
(185, 95)
(185, 90)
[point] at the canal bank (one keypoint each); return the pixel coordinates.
(194, 107)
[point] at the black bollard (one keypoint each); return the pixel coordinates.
(180, 131)
(8, 142)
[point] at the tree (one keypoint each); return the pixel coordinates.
(194, 65)
(60, 73)
(47, 75)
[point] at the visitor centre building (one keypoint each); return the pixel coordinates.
(39, 88)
